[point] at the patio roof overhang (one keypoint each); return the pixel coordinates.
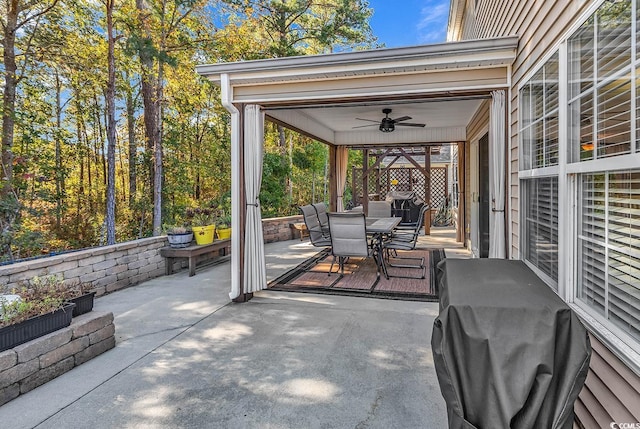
(321, 96)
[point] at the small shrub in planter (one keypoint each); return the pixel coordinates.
(203, 223)
(179, 236)
(41, 309)
(223, 228)
(82, 295)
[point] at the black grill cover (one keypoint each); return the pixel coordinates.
(405, 204)
(508, 352)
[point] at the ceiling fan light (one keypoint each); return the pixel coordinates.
(387, 126)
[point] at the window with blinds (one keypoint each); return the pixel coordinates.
(601, 71)
(541, 225)
(601, 144)
(539, 117)
(609, 247)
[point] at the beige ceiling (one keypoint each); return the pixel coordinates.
(441, 85)
(432, 114)
(445, 121)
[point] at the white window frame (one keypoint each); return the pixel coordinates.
(542, 172)
(618, 341)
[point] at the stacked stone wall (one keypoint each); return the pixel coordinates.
(279, 229)
(107, 268)
(29, 365)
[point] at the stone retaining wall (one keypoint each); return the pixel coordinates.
(107, 268)
(110, 268)
(32, 364)
(277, 228)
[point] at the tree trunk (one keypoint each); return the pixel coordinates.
(9, 96)
(80, 155)
(151, 91)
(157, 158)
(59, 173)
(110, 217)
(133, 149)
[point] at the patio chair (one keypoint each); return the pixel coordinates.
(321, 211)
(349, 239)
(406, 240)
(317, 236)
(379, 209)
(406, 230)
(410, 226)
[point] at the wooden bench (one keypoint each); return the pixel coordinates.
(301, 227)
(191, 253)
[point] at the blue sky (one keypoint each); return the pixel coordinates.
(409, 22)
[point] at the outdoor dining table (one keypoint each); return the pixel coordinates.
(507, 350)
(378, 228)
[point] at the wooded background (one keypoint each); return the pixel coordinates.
(108, 134)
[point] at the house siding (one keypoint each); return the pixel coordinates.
(611, 392)
(612, 389)
(539, 25)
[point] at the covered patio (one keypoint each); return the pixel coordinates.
(446, 87)
(187, 357)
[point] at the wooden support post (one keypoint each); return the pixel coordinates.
(427, 189)
(333, 182)
(461, 193)
(365, 181)
(354, 187)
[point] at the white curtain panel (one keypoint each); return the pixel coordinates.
(255, 272)
(342, 158)
(497, 133)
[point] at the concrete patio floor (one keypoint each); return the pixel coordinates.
(186, 357)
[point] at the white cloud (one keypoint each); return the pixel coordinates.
(432, 27)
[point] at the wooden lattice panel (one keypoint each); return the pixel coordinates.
(406, 179)
(438, 187)
(410, 179)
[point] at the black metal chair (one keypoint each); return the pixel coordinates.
(349, 239)
(406, 240)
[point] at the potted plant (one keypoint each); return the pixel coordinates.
(179, 236)
(203, 224)
(223, 227)
(40, 308)
(82, 295)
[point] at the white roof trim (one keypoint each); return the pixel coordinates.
(456, 13)
(498, 51)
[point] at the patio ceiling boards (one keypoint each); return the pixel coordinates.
(320, 96)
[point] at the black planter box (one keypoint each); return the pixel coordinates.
(84, 304)
(19, 333)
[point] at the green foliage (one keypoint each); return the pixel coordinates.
(272, 194)
(59, 146)
(201, 216)
(40, 296)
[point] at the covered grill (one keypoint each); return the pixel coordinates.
(405, 204)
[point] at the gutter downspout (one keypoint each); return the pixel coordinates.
(226, 96)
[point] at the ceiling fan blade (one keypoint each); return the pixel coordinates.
(410, 124)
(404, 118)
(362, 126)
(369, 120)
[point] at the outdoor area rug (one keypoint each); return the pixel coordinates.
(360, 275)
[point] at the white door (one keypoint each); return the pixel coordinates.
(474, 234)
